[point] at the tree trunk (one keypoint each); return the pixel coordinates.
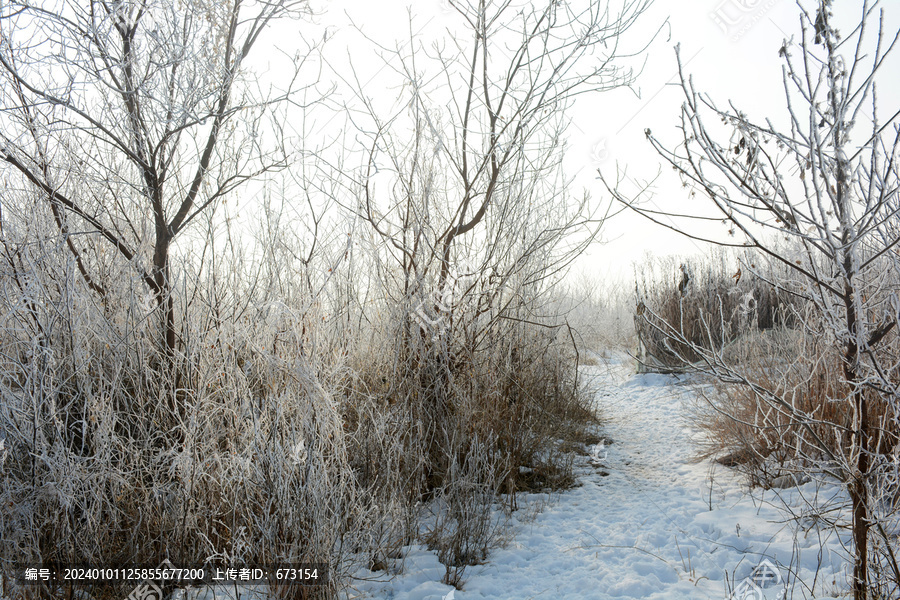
(859, 491)
(860, 500)
(163, 292)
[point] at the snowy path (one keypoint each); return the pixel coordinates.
(645, 523)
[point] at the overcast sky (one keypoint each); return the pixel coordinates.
(730, 47)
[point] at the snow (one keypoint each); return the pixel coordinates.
(648, 521)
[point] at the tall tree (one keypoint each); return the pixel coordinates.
(131, 118)
(828, 182)
(477, 203)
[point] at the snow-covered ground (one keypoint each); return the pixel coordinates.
(648, 521)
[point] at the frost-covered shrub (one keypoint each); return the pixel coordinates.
(273, 434)
(233, 450)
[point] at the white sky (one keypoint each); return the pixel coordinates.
(730, 47)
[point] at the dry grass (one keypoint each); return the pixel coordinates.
(477, 424)
(745, 430)
(803, 417)
(708, 305)
(273, 436)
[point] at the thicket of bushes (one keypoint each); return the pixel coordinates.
(277, 433)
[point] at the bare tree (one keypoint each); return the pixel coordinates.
(818, 198)
(476, 198)
(130, 119)
(470, 218)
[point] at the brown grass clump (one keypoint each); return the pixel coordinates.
(791, 414)
(478, 424)
(702, 305)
